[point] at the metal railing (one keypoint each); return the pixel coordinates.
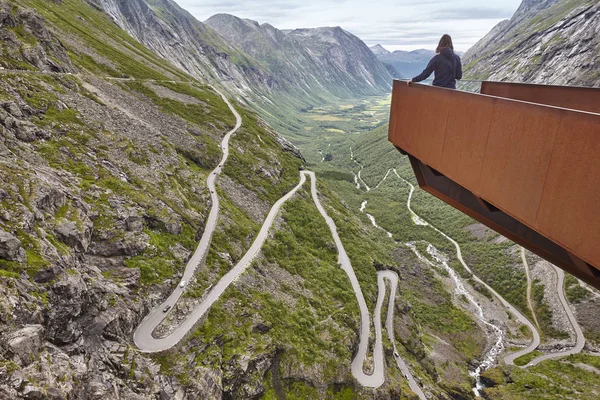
(462, 85)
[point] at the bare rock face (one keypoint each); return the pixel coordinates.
(12, 117)
(26, 343)
(131, 244)
(10, 248)
(546, 41)
(51, 199)
(40, 49)
(74, 236)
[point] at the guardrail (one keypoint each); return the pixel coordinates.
(529, 171)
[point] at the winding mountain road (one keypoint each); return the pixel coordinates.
(358, 177)
(580, 339)
(377, 378)
(509, 359)
(392, 277)
(142, 336)
(146, 342)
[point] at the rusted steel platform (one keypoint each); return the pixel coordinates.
(575, 98)
(528, 170)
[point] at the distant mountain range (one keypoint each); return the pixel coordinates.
(307, 60)
(406, 63)
(260, 61)
(551, 41)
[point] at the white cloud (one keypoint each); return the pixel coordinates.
(400, 24)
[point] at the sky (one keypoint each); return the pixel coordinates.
(397, 25)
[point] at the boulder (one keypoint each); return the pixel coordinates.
(70, 299)
(131, 244)
(173, 227)
(26, 131)
(10, 248)
(71, 235)
(13, 109)
(97, 389)
(26, 343)
(33, 392)
(44, 276)
(6, 15)
(51, 199)
(134, 223)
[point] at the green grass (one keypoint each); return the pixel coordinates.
(95, 30)
(544, 312)
(303, 247)
(10, 269)
(212, 112)
(437, 312)
(575, 293)
(24, 35)
(159, 263)
(35, 261)
(524, 360)
(306, 255)
(555, 379)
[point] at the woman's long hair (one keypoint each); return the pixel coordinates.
(445, 43)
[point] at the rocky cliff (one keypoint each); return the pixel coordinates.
(177, 36)
(552, 42)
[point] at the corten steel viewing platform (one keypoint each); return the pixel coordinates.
(522, 159)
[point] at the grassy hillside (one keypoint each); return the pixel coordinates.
(103, 176)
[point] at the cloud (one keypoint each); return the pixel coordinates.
(405, 24)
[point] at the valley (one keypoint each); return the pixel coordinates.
(347, 176)
(213, 210)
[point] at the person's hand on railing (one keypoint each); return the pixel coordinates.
(409, 82)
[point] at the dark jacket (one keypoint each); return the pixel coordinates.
(447, 67)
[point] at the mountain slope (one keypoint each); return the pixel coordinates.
(308, 61)
(177, 36)
(266, 73)
(103, 168)
(552, 42)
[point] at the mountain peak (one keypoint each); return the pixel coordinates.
(379, 50)
(322, 59)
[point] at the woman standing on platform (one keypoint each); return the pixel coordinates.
(446, 65)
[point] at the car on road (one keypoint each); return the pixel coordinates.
(167, 308)
(396, 354)
(182, 284)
